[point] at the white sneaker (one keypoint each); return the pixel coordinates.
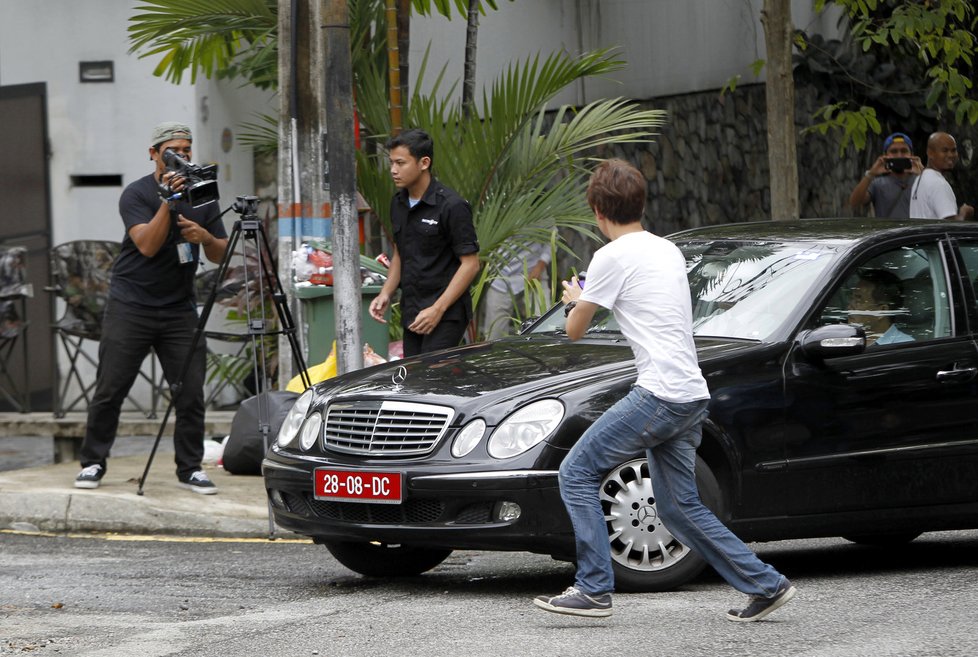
(90, 477)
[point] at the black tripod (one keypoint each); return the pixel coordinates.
(267, 278)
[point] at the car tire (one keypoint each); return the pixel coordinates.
(383, 560)
(645, 555)
(883, 540)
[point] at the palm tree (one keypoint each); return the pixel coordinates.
(522, 164)
(523, 168)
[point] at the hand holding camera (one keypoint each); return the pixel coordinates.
(198, 184)
(885, 165)
(898, 164)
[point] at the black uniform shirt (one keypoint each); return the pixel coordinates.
(161, 281)
(430, 237)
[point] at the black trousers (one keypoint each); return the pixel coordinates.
(128, 333)
(446, 334)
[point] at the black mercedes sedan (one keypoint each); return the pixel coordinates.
(841, 356)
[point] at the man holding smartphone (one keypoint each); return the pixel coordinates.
(931, 196)
(887, 183)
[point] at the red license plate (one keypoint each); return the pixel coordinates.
(357, 486)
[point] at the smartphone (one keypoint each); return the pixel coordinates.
(898, 164)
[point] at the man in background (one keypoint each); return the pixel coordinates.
(436, 253)
(506, 292)
(874, 301)
(931, 196)
(887, 183)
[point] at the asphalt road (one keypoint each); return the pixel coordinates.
(115, 596)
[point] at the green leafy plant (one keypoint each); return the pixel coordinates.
(521, 164)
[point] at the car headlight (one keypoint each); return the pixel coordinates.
(468, 438)
(292, 422)
(525, 428)
(310, 430)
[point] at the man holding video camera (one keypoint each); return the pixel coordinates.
(887, 183)
(152, 306)
(931, 196)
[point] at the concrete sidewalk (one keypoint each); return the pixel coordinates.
(44, 498)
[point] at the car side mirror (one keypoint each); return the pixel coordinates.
(832, 341)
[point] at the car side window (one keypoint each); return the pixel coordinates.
(898, 296)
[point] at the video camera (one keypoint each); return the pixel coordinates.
(201, 186)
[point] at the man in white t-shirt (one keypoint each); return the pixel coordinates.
(641, 278)
(931, 196)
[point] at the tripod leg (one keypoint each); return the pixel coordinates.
(283, 313)
(198, 333)
(268, 278)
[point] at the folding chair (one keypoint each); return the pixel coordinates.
(14, 292)
(80, 275)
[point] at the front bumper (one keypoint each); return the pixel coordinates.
(441, 507)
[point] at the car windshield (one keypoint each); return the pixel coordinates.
(740, 289)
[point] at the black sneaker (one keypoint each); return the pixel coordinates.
(576, 603)
(758, 607)
(199, 482)
(90, 477)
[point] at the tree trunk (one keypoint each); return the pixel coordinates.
(404, 45)
(340, 178)
(394, 66)
(780, 92)
(468, 76)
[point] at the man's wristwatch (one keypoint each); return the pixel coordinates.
(568, 308)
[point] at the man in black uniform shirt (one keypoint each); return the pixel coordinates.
(436, 253)
(151, 305)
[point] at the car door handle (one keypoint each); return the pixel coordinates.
(962, 375)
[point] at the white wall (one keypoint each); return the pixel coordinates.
(670, 46)
(104, 128)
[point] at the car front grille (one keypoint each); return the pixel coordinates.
(385, 428)
(412, 512)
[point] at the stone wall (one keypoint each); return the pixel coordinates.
(709, 165)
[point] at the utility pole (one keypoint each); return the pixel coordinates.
(303, 201)
(340, 179)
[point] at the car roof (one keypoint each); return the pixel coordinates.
(824, 230)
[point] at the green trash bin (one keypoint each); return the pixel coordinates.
(320, 321)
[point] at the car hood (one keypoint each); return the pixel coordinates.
(486, 373)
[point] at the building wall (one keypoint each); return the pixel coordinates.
(104, 128)
(670, 47)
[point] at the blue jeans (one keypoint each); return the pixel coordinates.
(669, 433)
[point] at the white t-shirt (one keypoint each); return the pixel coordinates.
(931, 197)
(641, 278)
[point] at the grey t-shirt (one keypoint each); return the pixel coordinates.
(891, 196)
